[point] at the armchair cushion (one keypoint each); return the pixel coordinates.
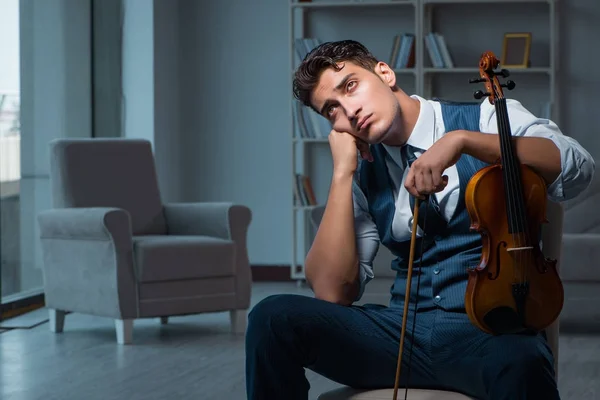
(179, 257)
(222, 220)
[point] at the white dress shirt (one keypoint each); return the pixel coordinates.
(577, 172)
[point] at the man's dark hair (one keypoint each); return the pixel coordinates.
(328, 55)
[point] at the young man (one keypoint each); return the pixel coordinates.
(410, 147)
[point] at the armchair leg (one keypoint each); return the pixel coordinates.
(124, 329)
(57, 320)
(238, 321)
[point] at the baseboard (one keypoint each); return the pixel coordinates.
(271, 273)
(20, 306)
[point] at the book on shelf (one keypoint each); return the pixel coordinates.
(303, 46)
(403, 52)
(303, 191)
(438, 51)
(309, 124)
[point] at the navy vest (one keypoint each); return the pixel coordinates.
(450, 247)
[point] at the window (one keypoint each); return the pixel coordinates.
(10, 150)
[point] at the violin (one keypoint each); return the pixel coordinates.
(515, 288)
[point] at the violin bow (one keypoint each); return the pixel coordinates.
(411, 258)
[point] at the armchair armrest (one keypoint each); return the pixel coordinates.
(218, 219)
(101, 223)
(88, 262)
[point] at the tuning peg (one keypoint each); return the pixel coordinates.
(503, 72)
(479, 94)
(510, 85)
(477, 80)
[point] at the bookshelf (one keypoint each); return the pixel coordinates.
(462, 29)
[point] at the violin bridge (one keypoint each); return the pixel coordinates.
(520, 248)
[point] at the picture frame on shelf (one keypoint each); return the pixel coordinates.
(516, 50)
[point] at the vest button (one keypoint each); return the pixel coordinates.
(436, 271)
(437, 298)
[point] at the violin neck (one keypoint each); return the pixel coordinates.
(511, 170)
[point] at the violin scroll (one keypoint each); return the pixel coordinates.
(488, 64)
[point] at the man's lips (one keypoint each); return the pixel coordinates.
(363, 121)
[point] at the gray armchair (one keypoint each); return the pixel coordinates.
(111, 248)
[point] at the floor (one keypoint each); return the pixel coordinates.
(190, 358)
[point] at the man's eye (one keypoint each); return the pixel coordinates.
(350, 85)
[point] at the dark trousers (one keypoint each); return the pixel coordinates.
(358, 346)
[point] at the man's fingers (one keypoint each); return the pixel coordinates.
(365, 152)
(439, 182)
(366, 155)
(444, 183)
(436, 179)
(428, 182)
(411, 185)
(421, 182)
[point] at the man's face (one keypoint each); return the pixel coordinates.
(358, 101)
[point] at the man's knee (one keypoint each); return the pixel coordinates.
(534, 357)
(273, 313)
(522, 369)
(533, 361)
(529, 364)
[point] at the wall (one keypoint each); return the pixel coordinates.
(234, 93)
(234, 73)
(579, 25)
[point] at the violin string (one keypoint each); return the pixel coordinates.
(511, 206)
(508, 167)
(518, 219)
(524, 239)
(412, 334)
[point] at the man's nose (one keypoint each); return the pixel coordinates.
(353, 111)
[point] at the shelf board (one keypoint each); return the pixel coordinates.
(383, 3)
(306, 208)
(484, 1)
(363, 3)
(311, 140)
(468, 70)
(411, 71)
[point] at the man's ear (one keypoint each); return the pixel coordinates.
(386, 73)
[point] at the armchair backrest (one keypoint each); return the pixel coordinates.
(108, 173)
